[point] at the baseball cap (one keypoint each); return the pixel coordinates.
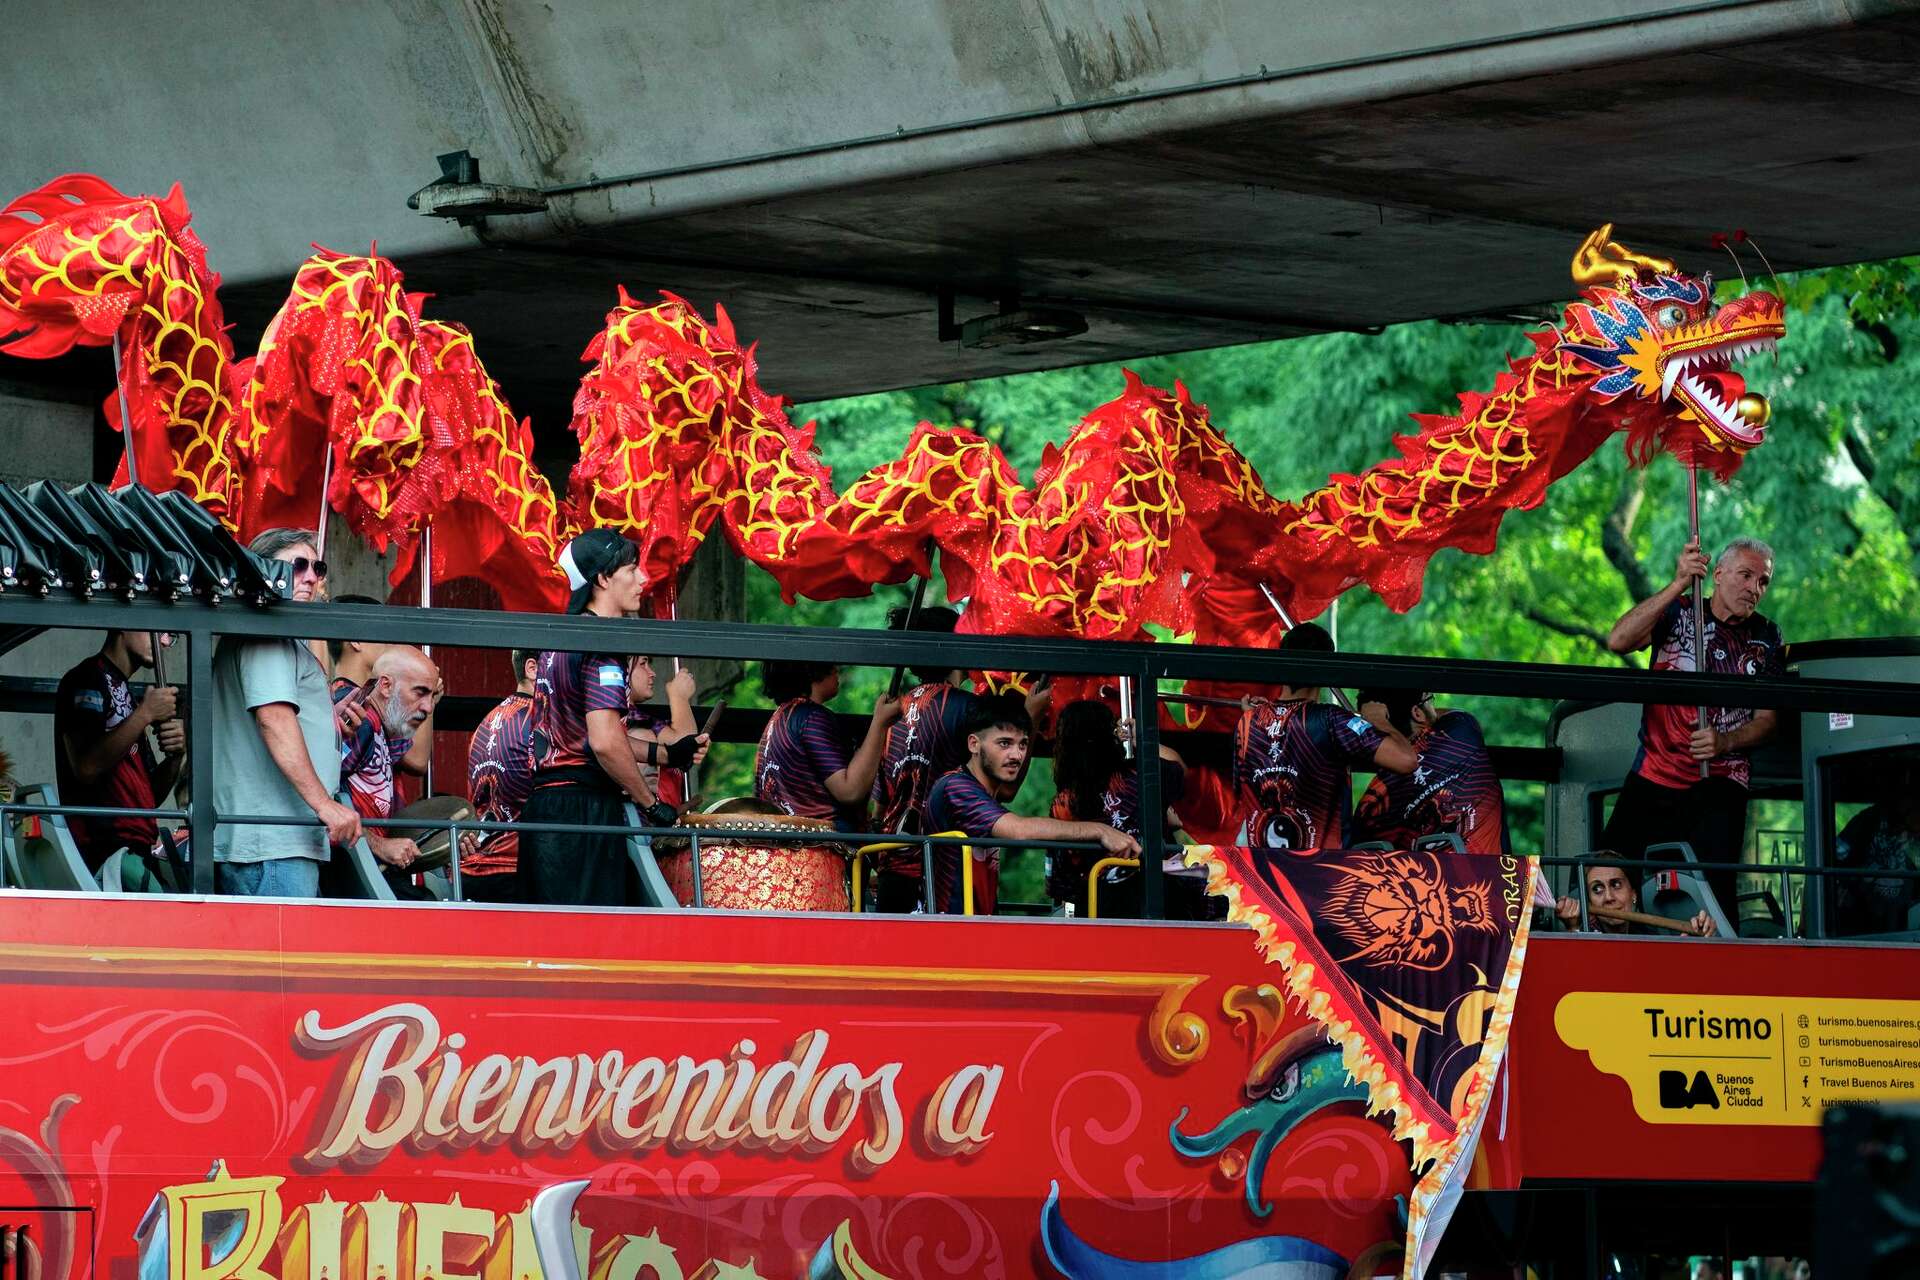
(593, 553)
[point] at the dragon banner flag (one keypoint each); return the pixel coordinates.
(1410, 962)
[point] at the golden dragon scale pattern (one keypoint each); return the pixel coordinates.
(1145, 515)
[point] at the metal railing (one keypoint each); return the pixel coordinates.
(1139, 665)
(866, 842)
(863, 841)
(1705, 869)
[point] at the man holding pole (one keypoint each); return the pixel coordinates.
(1689, 781)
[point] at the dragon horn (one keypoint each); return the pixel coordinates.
(1602, 260)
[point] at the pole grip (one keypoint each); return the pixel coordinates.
(1699, 602)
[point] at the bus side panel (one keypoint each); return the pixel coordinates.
(1683, 1059)
(256, 1089)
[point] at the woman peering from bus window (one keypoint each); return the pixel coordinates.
(1094, 781)
(1609, 884)
(804, 767)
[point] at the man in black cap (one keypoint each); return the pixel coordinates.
(583, 765)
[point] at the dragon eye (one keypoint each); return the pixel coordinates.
(1287, 1085)
(1669, 316)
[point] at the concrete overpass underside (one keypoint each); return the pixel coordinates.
(1184, 175)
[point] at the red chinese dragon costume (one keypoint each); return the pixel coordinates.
(1145, 515)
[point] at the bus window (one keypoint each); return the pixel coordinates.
(1876, 821)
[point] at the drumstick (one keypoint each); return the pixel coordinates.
(1641, 917)
(713, 718)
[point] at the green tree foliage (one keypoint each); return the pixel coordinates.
(1836, 488)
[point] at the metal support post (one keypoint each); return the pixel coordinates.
(200, 731)
(693, 867)
(1153, 843)
(926, 874)
(1818, 808)
(453, 865)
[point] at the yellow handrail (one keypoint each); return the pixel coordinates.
(1093, 881)
(860, 860)
(966, 874)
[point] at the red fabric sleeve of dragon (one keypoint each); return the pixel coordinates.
(1145, 515)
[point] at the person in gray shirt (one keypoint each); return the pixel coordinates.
(275, 748)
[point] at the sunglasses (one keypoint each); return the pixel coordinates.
(301, 564)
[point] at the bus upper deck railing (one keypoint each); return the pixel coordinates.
(861, 840)
(1140, 664)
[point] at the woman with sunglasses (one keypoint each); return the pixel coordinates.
(276, 750)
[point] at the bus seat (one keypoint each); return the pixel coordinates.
(653, 886)
(1771, 925)
(1441, 842)
(362, 867)
(1686, 899)
(49, 859)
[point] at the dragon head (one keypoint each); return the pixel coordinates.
(1653, 331)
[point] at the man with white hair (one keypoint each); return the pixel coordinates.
(1665, 798)
(396, 698)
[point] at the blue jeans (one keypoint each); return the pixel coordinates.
(274, 878)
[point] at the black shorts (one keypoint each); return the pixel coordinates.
(1710, 815)
(498, 886)
(575, 869)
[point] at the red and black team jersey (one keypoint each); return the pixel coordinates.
(93, 699)
(1291, 773)
(1120, 809)
(929, 739)
(799, 750)
(499, 780)
(566, 686)
(1452, 788)
(1749, 648)
(1120, 802)
(958, 802)
(366, 758)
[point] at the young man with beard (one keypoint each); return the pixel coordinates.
(103, 753)
(1665, 798)
(974, 799)
(584, 768)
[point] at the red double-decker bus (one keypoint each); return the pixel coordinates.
(207, 1088)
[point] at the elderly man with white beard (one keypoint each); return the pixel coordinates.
(391, 705)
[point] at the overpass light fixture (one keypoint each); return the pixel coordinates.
(458, 193)
(1013, 325)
